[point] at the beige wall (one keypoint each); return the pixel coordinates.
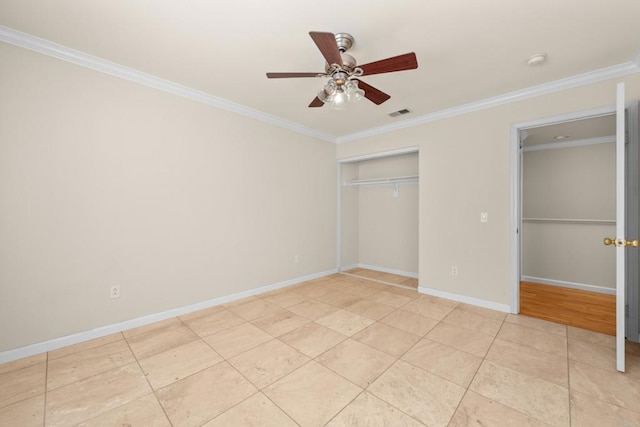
(465, 170)
(569, 253)
(106, 182)
(350, 216)
(388, 226)
(577, 182)
(569, 183)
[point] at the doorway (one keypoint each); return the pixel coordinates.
(568, 197)
(543, 229)
(378, 217)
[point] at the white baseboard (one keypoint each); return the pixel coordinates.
(348, 267)
(383, 270)
(33, 349)
(572, 285)
(468, 300)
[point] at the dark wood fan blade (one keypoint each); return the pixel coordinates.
(407, 61)
(326, 42)
(290, 75)
(372, 94)
(316, 103)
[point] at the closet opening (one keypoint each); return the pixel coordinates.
(568, 207)
(378, 217)
(566, 192)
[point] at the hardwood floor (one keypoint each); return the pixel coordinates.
(588, 310)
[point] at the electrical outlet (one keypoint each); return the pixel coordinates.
(115, 292)
(454, 270)
(484, 217)
(296, 259)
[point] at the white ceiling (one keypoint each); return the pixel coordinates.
(467, 50)
(576, 130)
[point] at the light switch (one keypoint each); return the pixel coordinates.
(484, 216)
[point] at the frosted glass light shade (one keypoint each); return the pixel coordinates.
(338, 96)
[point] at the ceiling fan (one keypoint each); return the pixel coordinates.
(343, 85)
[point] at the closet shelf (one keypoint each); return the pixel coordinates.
(570, 221)
(394, 181)
(382, 181)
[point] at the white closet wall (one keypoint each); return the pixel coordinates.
(349, 216)
(380, 230)
(568, 209)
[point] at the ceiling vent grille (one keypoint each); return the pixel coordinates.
(400, 112)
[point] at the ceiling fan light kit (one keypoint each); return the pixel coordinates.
(343, 86)
(338, 95)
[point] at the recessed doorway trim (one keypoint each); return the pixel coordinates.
(376, 155)
(516, 187)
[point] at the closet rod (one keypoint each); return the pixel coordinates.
(394, 181)
(570, 221)
(382, 181)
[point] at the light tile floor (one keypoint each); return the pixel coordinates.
(338, 351)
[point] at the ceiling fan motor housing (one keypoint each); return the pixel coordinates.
(348, 63)
(344, 41)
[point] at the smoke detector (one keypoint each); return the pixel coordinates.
(537, 59)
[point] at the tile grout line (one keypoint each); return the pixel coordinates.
(537, 330)
(271, 400)
(484, 358)
(27, 397)
(258, 389)
(567, 358)
(365, 389)
(153, 391)
(466, 389)
(326, 367)
(476, 373)
(224, 359)
(478, 369)
(92, 375)
(396, 361)
(100, 373)
(46, 380)
(345, 406)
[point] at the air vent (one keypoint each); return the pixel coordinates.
(400, 112)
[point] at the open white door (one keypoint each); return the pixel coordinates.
(620, 240)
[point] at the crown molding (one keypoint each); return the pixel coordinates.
(46, 47)
(588, 78)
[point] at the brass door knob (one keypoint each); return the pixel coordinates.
(620, 242)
